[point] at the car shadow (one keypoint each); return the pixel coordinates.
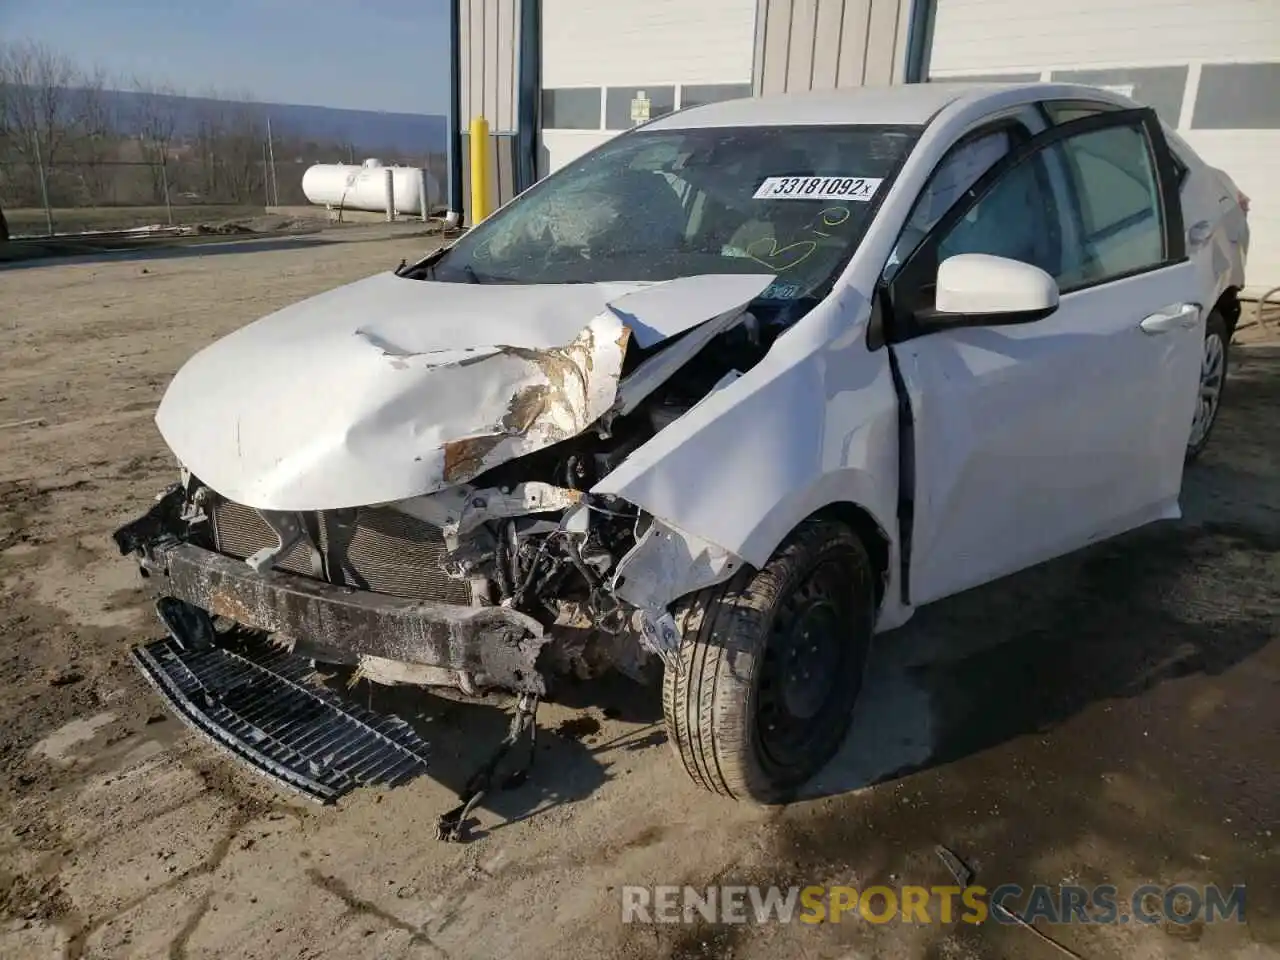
(463, 732)
(1024, 655)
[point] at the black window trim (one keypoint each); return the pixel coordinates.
(1073, 103)
(898, 328)
(1019, 134)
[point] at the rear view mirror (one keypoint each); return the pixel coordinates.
(979, 290)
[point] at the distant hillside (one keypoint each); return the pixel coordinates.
(364, 130)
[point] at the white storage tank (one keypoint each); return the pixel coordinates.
(364, 187)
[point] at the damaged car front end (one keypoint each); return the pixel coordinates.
(557, 448)
(507, 570)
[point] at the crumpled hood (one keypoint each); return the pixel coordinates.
(390, 388)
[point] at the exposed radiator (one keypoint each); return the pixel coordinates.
(371, 548)
(240, 532)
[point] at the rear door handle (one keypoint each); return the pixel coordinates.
(1178, 316)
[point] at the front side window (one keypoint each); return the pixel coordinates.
(1018, 218)
(959, 170)
(1102, 222)
(659, 204)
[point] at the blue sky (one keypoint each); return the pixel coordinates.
(361, 54)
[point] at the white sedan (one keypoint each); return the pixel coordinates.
(726, 396)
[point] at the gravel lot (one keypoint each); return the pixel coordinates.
(1113, 716)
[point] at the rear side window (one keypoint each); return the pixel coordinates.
(1115, 203)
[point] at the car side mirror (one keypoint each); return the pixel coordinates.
(979, 290)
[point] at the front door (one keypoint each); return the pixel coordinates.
(1034, 439)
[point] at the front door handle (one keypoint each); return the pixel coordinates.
(1181, 315)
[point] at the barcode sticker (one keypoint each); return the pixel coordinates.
(858, 189)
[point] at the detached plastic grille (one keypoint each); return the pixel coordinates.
(263, 706)
(372, 548)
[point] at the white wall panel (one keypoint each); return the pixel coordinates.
(976, 36)
(627, 42)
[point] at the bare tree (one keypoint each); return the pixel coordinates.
(155, 121)
(229, 149)
(95, 137)
(38, 108)
(55, 120)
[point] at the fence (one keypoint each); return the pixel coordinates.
(184, 186)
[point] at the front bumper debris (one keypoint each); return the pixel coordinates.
(260, 704)
(495, 646)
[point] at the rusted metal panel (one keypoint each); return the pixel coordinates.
(497, 645)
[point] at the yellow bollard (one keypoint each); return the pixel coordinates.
(479, 170)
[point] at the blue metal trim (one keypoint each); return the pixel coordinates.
(920, 40)
(528, 94)
(453, 135)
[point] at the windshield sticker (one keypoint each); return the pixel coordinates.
(859, 189)
(778, 290)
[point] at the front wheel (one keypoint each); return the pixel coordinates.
(1213, 380)
(773, 663)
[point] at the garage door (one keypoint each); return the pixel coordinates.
(1210, 70)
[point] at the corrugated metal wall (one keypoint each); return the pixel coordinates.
(488, 46)
(819, 44)
(488, 60)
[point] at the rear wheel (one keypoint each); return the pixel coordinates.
(1213, 379)
(773, 663)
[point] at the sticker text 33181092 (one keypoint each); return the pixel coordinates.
(859, 189)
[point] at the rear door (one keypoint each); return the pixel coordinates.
(1034, 439)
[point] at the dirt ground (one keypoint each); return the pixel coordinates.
(1113, 716)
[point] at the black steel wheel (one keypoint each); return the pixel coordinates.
(772, 665)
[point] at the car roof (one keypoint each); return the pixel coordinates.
(909, 104)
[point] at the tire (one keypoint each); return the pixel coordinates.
(1207, 410)
(742, 727)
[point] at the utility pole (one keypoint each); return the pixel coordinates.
(44, 187)
(271, 150)
(266, 180)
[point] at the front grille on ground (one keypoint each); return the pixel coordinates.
(262, 706)
(378, 549)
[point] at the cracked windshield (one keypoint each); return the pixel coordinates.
(655, 205)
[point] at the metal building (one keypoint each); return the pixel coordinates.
(555, 78)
